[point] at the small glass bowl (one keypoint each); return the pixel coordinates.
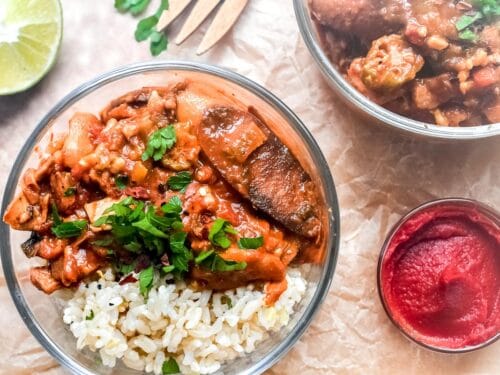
(362, 104)
(487, 211)
(43, 314)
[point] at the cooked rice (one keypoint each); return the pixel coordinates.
(200, 329)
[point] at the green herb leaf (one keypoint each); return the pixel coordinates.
(217, 234)
(123, 5)
(164, 5)
(180, 181)
(139, 6)
(468, 35)
(146, 226)
(159, 142)
(125, 269)
(168, 269)
(121, 181)
(226, 301)
(250, 243)
(103, 241)
(170, 367)
(146, 280)
(90, 316)
(181, 255)
(145, 28)
(488, 7)
(174, 206)
(70, 192)
(203, 255)
(69, 229)
(56, 219)
(465, 21)
(158, 44)
(133, 246)
(216, 263)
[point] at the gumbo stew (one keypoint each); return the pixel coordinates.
(177, 178)
(436, 61)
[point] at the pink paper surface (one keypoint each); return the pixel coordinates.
(379, 174)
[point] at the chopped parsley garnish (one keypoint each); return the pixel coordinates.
(467, 35)
(203, 255)
(465, 21)
(159, 142)
(468, 23)
(121, 181)
(218, 231)
(180, 181)
(146, 28)
(66, 229)
(106, 241)
(125, 269)
(141, 228)
(170, 366)
(70, 192)
(214, 262)
(181, 255)
(146, 280)
(90, 316)
(168, 269)
(250, 243)
(173, 207)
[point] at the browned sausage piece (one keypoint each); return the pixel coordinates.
(260, 167)
(281, 188)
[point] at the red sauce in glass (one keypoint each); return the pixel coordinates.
(440, 276)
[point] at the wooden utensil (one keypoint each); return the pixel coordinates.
(200, 11)
(225, 18)
(223, 21)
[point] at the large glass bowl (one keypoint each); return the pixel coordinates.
(43, 314)
(362, 104)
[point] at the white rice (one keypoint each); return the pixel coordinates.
(199, 329)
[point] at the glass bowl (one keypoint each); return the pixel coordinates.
(362, 104)
(43, 314)
(456, 203)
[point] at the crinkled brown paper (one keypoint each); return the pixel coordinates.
(379, 175)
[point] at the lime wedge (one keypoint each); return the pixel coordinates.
(30, 35)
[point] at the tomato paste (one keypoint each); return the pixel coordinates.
(440, 275)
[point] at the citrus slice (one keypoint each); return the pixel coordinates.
(30, 35)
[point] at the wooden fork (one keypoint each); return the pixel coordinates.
(225, 18)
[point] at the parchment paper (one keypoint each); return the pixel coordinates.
(379, 175)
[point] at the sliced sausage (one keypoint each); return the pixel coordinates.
(260, 167)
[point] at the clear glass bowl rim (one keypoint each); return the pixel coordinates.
(486, 210)
(128, 70)
(353, 96)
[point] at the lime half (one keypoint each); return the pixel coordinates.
(30, 35)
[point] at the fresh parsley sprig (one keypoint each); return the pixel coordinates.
(250, 242)
(146, 28)
(140, 227)
(159, 142)
(66, 229)
(218, 233)
(214, 262)
(180, 181)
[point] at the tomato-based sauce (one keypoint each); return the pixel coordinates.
(440, 276)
